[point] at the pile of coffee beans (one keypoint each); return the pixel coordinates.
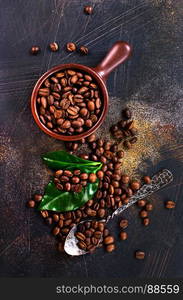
(72, 181)
(69, 102)
(89, 235)
(125, 130)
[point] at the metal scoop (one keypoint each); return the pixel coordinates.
(159, 180)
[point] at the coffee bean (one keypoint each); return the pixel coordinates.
(149, 207)
(100, 174)
(80, 236)
(82, 245)
(56, 218)
(56, 230)
(125, 179)
(35, 50)
(92, 178)
(83, 50)
(133, 140)
(71, 47)
(53, 47)
(38, 197)
(108, 240)
(110, 248)
(141, 203)
(123, 235)
(170, 204)
(143, 213)
(120, 154)
(147, 179)
(146, 221)
(101, 213)
(133, 131)
(139, 254)
(123, 224)
(49, 221)
(31, 203)
(44, 213)
(135, 185)
(127, 145)
(67, 173)
(88, 10)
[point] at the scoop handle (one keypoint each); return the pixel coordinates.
(119, 52)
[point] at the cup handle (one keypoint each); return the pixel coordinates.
(119, 52)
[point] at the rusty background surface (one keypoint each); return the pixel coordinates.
(153, 76)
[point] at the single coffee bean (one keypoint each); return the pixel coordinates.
(76, 172)
(149, 207)
(125, 179)
(53, 47)
(92, 178)
(31, 203)
(133, 140)
(120, 154)
(56, 218)
(147, 179)
(100, 174)
(143, 213)
(35, 50)
(49, 221)
(133, 131)
(145, 221)
(141, 203)
(84, 176)
(110, 248)
(38, 197)
(88, 10)
(108, 240)
(127, 144)
(123, 224)
(139, 254)
(83, 50)
(105, 232)
(170, 204)
(82, 245)
(67, 173)
(71, 47)
(80, 236)
(135, 185)
(101, 213)
(56, 230)
(44, 213)
(123, 235)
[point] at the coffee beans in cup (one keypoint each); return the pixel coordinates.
(69, 102)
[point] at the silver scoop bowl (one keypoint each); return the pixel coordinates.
(159, 180)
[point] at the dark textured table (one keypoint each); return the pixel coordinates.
(152, 76)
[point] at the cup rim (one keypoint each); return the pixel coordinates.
(57, 68)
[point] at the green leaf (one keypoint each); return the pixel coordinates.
(61, 201)
(63, 160)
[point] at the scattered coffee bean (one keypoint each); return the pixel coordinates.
(38, 197)
(123, 235)
(83, 50)
(141, 203)
(147, 179)
(88, 10)
(123, 224)
(108, 240)
(53, 47)
(35, 50)
(143, 213)
(110, 248)
(139, 254)
(145, 221)
(149, 207)
(71, 47)
(170, 204)
(31, 203)
(135, 185)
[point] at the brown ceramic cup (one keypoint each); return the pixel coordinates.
(119, 52)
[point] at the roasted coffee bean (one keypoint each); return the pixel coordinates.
(91, 138)
(35, 50)
(139, 254)
(100, 174)
(38, 197)
(71, 47)
(110, 248)
(88, 10)
(80, 236)
(133, 131)
(120, 154)
(108, 240)
(56, 230)
(135, 185)
(123, 235)
(56, 218)
(170, 204)
(91, 212)
(123, 224)
(44, 213)
(149, 207)
(133, 140)
(145, 221)
(147, 179)
(82, 245)
(67, 173)
(84, 176)
(49, 221)
(31, 203)
(143, 213)
(83, 50)
(141, 203)
(92, 178)
(105, 232)
(53, 47)
(101, 213)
